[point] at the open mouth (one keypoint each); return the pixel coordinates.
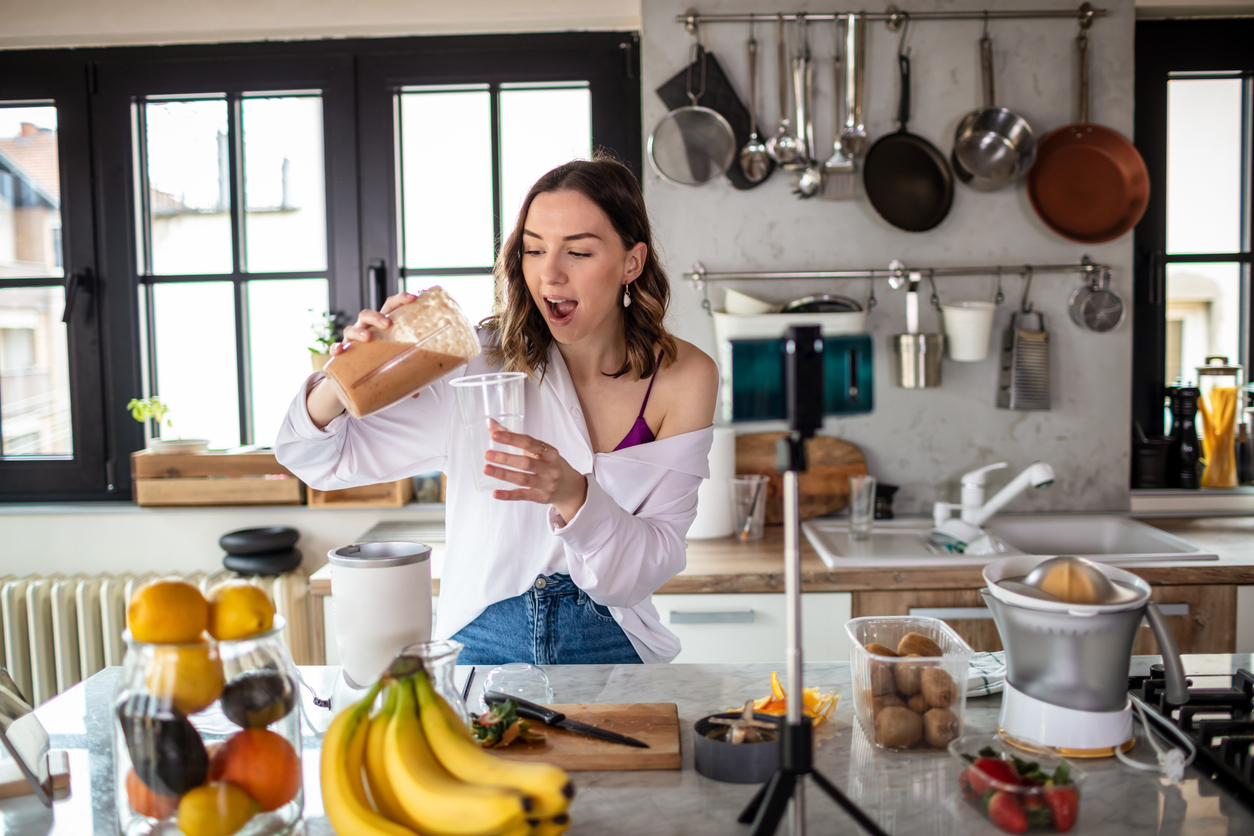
(560, 309)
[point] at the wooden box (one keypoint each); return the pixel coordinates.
(383, 495)
(213, 478)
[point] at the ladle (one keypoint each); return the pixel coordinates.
(755, 162)
(783, 147)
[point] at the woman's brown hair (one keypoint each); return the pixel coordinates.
(524, 336)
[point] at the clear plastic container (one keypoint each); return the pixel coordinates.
(1029, 793)
(930, 690)
(429, 338)
(189, 719)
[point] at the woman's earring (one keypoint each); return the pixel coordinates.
(627, 296)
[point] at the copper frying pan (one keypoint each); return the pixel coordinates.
(1089, 183)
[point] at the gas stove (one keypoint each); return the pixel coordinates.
(1219, 720)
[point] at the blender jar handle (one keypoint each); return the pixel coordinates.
(1173, 669)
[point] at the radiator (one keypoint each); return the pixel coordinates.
(57, 630)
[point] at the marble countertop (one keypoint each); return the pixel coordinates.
(907, 794)
(729, 565)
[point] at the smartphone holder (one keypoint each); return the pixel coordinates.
(803, 391)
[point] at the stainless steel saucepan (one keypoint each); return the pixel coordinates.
(993, 146)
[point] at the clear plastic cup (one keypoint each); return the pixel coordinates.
(429, 338)
(749, 502)
(484, 399)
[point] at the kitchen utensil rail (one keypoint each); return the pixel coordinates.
(895, 17)
(698, 273)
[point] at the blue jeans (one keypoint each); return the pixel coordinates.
(553, 623)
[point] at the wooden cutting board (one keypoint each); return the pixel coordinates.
(655, 723)
(823, 487)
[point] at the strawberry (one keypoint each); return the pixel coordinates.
(964, 783)
(1005, 811)
(1037, 810)
(985, 771)
(1064, 803)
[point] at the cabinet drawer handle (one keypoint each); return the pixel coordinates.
(947, 613)
(735, 617)
(1173, 609)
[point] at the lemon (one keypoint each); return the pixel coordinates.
(215, 809)
(167, 612)
(238, 610)
(188, 677)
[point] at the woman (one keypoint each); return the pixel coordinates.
(617, 433)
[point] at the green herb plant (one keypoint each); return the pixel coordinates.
(327, 332)
(149, 409)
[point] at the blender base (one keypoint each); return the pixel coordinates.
(1034, 725)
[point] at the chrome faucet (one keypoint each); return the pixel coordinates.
(974, 511)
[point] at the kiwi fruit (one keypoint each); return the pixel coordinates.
(908, 678)
(881, 679)
(880, 650)
(917, 644)
(918, 704)
(895, 726)
(878, 704)
(940, 725)
(938, 687)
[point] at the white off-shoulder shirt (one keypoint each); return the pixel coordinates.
(624, 543)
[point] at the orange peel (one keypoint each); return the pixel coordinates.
(816, 705)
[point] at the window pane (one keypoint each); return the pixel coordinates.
(282, 316)
(1203, 317)
(195, 345)
(1204, 165)
(30, 192)
(540, 130)
(446, 178)
(285, 221)
(473, 293)
(189, 191)
(34, 373)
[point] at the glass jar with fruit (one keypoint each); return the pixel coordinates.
(206, 725)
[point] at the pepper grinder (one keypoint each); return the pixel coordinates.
(1182, 458)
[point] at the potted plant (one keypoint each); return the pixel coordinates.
(327, 332)
(152, 409)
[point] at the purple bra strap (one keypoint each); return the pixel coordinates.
(652, 378)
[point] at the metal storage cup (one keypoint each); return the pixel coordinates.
(918, 360)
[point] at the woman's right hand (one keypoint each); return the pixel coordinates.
(359, 331)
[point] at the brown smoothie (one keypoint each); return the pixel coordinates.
(367, 388)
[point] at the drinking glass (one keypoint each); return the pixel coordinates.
(482, 399)
(861, 506)
(749, 502)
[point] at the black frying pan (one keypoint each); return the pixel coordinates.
(907, 180)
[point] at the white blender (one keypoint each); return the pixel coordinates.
(1068, 626)
(381, 593)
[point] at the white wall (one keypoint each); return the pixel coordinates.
(39, 23)
(923, 440)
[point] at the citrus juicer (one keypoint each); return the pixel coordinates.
(1068, 631)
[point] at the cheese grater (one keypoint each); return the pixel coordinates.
(1024, 382)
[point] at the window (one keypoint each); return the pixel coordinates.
(231, 194)
(1195, 80)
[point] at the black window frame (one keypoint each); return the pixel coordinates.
(1198, 48)
(356, 77)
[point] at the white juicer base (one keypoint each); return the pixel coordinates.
(1035, 721)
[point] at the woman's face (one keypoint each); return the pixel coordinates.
(575, 264)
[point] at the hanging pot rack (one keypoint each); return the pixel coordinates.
(895, 18)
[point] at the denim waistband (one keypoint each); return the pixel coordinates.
(553, 585)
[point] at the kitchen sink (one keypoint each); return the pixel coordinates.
(906, 542)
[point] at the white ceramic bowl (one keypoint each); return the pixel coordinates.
(178, 445)
(742, 304)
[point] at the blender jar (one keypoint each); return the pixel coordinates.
(429, 338)
(207, 737)
(439, 658)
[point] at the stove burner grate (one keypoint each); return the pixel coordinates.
(1220, 721)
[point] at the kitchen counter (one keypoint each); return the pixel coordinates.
(914, 794)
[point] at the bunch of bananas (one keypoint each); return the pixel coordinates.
(414, 769)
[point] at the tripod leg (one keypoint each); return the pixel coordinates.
(775, 803)
(751, 809)
(855, 812)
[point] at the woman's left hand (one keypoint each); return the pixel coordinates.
(547, 478)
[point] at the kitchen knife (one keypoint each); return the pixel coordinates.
(560, 721)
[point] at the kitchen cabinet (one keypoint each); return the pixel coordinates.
(1202, 616)
(742, 628)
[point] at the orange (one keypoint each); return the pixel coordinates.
(189, 677)
(147, 801)
(237, 610)
(215, 810)
(261, 763)
(167, 612)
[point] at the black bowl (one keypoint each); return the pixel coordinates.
(275, 563)
(248, 541)
(735, 763)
